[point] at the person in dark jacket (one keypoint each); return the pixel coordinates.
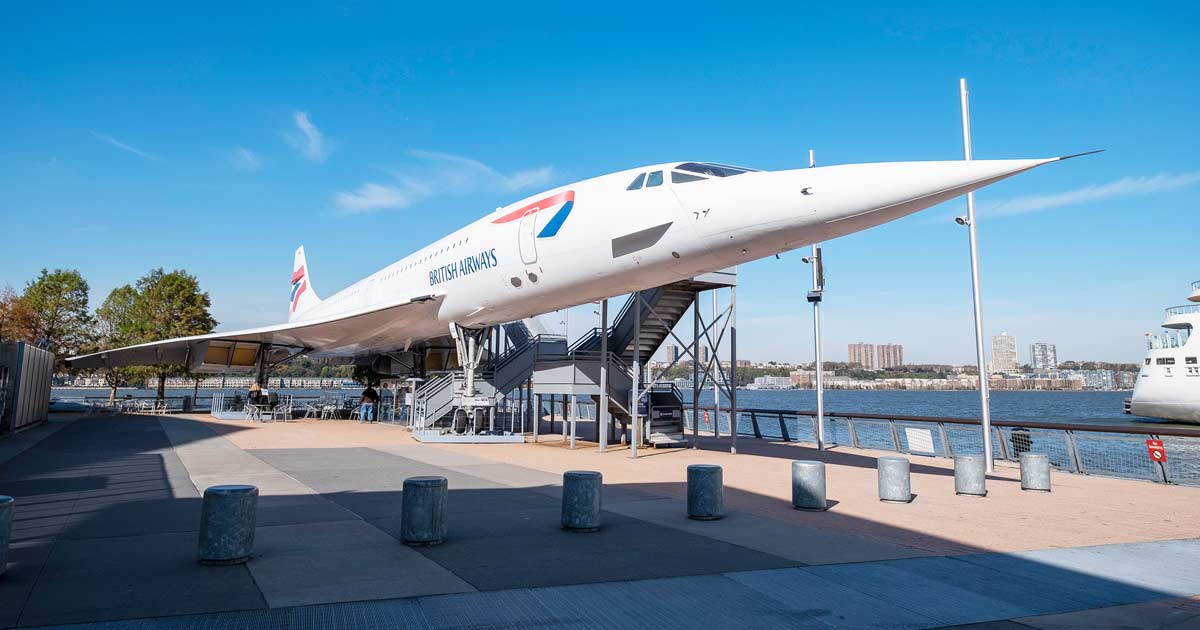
(367, 403)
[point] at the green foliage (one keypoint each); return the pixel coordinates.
(168, 305)
(116, 327)
(58, 302)
(365, 375)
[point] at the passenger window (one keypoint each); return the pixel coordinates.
(637, 182)
(681, 178)
(655, 179)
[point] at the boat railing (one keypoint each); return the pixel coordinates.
(1187, 309)
(1090, 449)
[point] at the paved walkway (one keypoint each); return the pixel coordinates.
(108, 508)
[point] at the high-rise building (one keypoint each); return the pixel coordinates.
(703, 355)
(1043, 356)
(672, 353)
(1004, 353)
(863, 354)
(891, 355)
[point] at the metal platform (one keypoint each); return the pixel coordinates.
(437, 437)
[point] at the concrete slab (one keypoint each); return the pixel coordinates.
(829, 603)
(1166, 569)
(808, 545)
(131, 577)
(348, 573)
(1177, 614)
(944, 602)
(1089, 590)
(544, 555)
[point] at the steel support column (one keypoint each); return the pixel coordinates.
(602, 420)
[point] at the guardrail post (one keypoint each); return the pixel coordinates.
(816, 430)
(754, 424)
(895, 436)
(1003, 445)
(1160, 470)
(853, 433)
(1073, 452)
(783, 429)
(946, 448)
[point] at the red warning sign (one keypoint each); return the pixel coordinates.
(1156, 450)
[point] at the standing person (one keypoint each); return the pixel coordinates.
(366, 403)
(254, 393)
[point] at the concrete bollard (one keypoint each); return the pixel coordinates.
(894, 483)
(227, 519)
(1035, 471)
(581, 500)
(970, 477)
(808, 485)
(705, 492)
(6, 518)
(423, 511)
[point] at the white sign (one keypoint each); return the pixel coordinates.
(919, 440)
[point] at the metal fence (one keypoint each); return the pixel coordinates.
(1077, 448)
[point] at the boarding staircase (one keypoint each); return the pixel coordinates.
(554, 367)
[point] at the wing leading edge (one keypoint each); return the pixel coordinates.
(344, 334)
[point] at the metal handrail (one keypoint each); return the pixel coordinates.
(1117, 451)
(1022, 424)
(1186, 309)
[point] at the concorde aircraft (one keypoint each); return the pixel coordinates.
(586, 241)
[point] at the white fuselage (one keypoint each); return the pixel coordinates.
(532, 257)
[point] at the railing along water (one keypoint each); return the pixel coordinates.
(1113, 451)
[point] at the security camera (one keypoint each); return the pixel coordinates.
(806, 260)
(962, 220)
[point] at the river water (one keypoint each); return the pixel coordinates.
(1087, 407)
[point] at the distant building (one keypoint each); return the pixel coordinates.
(862, 354)
(1043, 356)
(672, 353)
(891, 355)
(772, 382)
(703, 355)
(803, 378)
(1004, 353)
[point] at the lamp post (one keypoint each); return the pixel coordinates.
(814, 296)
(969, 221)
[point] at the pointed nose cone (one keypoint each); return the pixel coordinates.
(865, 195)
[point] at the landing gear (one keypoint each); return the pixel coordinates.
(470, 407)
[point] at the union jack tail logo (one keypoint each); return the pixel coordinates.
(299, 284)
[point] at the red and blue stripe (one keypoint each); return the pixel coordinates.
(565, 198)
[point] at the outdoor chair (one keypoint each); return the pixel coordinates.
(283, 410)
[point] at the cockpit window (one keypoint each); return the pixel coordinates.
(655, 179)
(637, 182)
(682, 178)
(713, 170)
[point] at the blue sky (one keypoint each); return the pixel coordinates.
(141, 136)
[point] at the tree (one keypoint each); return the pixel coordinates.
(16, 318)
(59, 303)
(170, 305)
(115, 327)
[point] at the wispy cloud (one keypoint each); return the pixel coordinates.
(371, 197)
(465, 173)
(1124, 187)
(429, 174)
(103, 137)
(307, 138)
(244, 159)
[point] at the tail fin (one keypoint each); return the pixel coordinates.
(303, 295)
